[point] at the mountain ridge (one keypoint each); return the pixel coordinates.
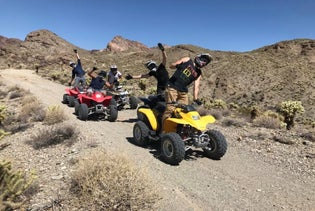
(264, 76)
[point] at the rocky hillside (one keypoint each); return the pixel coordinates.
(264, 76)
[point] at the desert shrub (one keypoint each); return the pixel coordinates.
(104, 182)
(53, 135)
(289, 109)
(33, 111)
(54, 114)
(233, 106)
(218, 104)
(267, 122)
(142, 84)
(27, 99)
(233, 122)
(202, 111)
(12, 185)
(216, 113)
(16, 92)
(56, 76)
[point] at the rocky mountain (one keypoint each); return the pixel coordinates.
(265, 76)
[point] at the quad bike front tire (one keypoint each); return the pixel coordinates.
(65, 99)
(113, 102)
(71, 100)
(172, 148)
(217, 146)
(133, 102)
(83, 112)
(140, 133)
(76, 107)
(113, 113)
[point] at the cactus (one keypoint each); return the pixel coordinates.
(289, 109)
(12, 184)
(2, 113)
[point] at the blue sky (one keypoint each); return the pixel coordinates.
(227, 25)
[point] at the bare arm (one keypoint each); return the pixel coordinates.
(174, 64)
(77, 54)
(196, 88)
(92, 73)
(164, 58)
(140, 76)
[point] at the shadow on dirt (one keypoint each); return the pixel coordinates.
(154, 149)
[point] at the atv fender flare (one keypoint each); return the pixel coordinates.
(150, 116)
(201, 124)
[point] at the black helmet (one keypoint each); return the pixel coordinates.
(102, 73)
(151, 65)
(202, 60)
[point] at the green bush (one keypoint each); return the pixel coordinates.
(12, 185)
(289, 110)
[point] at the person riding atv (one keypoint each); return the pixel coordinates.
(159, 72)
(182, 131)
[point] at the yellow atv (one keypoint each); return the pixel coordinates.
(184, 130)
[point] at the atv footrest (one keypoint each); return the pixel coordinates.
(154, 135)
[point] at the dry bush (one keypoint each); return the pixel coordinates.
(237, 122)
(216, 113)
(33, 111)
(27, 99)
(267, 122)
(54, 114)
(203, 111)
(106, 182)
(16, 92)
(54, 135)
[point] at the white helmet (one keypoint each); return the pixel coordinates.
(113, 67)
(71, 64)
(151, 65)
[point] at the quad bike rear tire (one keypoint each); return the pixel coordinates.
(133, 102)
(83, 112)
(217, 146)
(172, 148)
(65, 99)
(113, 113)
(71, 100)
(140, 133)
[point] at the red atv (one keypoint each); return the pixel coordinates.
(95, 104)
(71, 94)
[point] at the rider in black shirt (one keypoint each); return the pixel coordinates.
(159, 72)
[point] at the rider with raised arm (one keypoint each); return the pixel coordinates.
(159, 72)
(187, 71)
(78, 74)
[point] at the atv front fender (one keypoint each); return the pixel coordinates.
(150, 116)
(170, 124)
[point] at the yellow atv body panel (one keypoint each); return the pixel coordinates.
(190, 118)
(150, 115)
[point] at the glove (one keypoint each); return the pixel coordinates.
(75, 50)
(94, 68)
(128, 76)
(69, 83)
(161, 47)
(198, 102)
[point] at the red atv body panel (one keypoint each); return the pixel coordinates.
(94, 98)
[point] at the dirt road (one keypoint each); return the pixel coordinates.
(239, 181)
